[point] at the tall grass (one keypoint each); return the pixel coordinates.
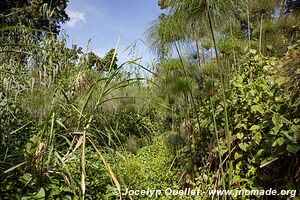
(64, 128)
(223, 86)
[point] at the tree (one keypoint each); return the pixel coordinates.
(163, 33)
(186, 21)
(40, 14)
(109, 61)
(292, 6)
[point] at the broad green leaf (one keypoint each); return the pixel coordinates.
(255, 128)
(293, 148)
(296, 120)
(241, 125)
(256, 99)
(288, 136)
(295, 128)
(280, 141)
(253, 51)
(66, 189)
(237, 155)
(244, 146)
(257, 137)
(240, 135)
(238, 84)
(54, 191)
(258, 108)
(276, 129)
(252, 92)
(276, 119)
(40, 195)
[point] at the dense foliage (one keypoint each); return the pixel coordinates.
(46, 15)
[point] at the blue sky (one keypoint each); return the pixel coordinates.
(104, 21)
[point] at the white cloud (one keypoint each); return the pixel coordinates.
(75, 18)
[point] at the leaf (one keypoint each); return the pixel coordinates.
(61, 124)
(295, 128)
(296, 120)
(285, 120)
(258, 108)
(282, 80)
(293, 148)
(27, 177)
(256, 99)
(252, 92)
(244, 146)
(260, 152)
(280, 141)
(257, 137)
(240, 135)
(241, 125)
(237, 155)
(40, 195)
(253, 51)
(54, 191)
(66, 189)
(276, 130)
(287, 135)
(276, 119)
(279, 99)
(221, 150)
(255, 128)
(237, 84)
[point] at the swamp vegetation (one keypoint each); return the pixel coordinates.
(219, 109)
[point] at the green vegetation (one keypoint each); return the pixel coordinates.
(219, 111)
